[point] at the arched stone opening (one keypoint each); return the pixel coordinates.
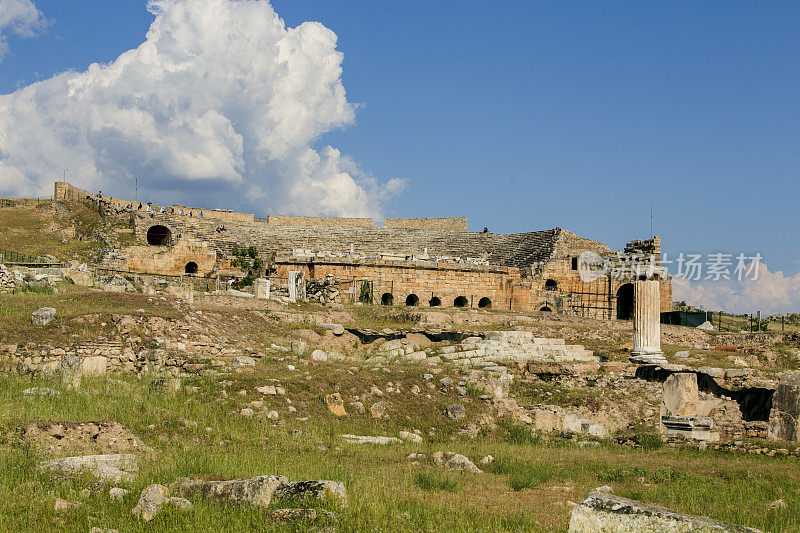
(435, 302)
(485, 303)
(546, 309)
(625, 302)
(190, 268)
(551, 285)
(461, 301)
(412, 300)
(387, 298)
(159, 236)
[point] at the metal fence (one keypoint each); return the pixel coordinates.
(198, 283)
(11, 257)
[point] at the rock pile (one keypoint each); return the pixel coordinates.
(58, 438)
(7, 283)
(323, 290)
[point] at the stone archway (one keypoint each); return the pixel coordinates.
(190, 268)
(412, 300)
(485, 303)
(551, 285)
(435, 301)
(387, 298)
(625, 302)
(159, 236)
(461, 301)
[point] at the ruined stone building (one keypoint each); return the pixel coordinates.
(414, 262)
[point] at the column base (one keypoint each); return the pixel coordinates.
(645, 356)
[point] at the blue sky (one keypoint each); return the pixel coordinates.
(531, 115)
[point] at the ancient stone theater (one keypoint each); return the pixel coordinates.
(407, 262)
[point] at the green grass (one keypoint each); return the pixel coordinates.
(53, 236)
(429, 481)
(80, 311)
(386, 492)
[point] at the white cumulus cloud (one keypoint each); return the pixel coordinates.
(770, 293)
(220, 106)
(21, 18)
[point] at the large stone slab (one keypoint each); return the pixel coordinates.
(114, 467)
(367, 439)
(150, 501)
(612, 514)
(297, 285)
(681, 395)
(261, 288)
(260, 491)
(784, 417)
(256, 491)
(95, 365)
(43, 316)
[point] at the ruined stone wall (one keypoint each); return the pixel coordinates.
(224, 214)
(440, 224)
(169, 260)
(99, 357)
(216, 214)
(342, 222)
(666, 295)
(64, 192)
(425, 280)
(568, 245)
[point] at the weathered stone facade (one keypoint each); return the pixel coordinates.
(285, 220)
(437, 224)
(407, 262)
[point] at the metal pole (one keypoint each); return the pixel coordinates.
(758, 320)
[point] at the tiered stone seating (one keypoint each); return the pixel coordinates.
(520, 249)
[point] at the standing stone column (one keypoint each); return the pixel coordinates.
(297, 285)
(647, 323)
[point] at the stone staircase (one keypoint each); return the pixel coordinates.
(516, 346)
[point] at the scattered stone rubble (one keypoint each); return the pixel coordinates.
(58, 437)
(455, 461)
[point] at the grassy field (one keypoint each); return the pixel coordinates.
(528, 488)
(81, 311)
(37, 230)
